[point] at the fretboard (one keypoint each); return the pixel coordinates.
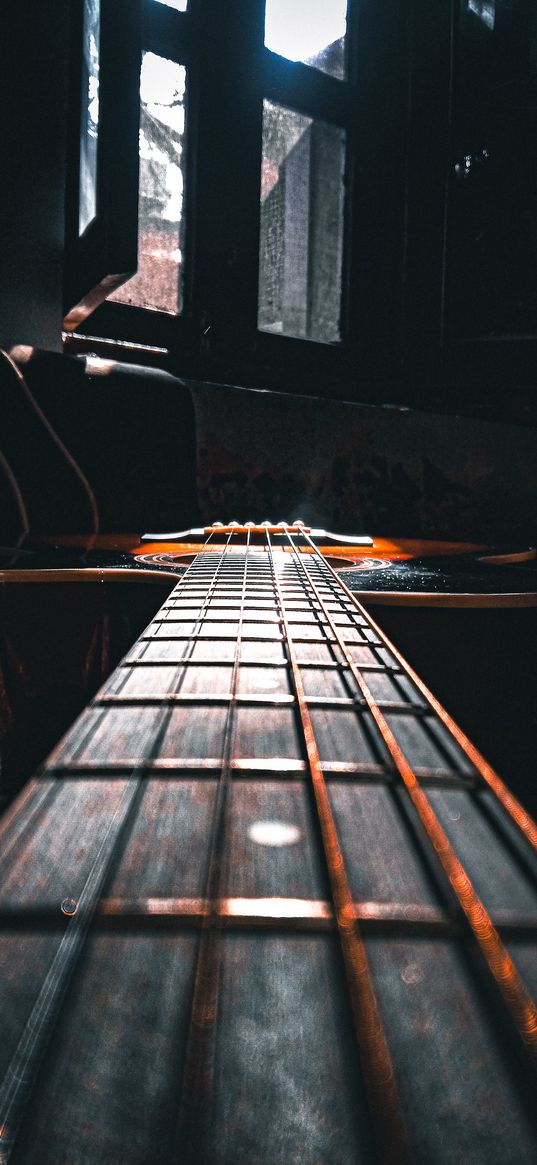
(265, 900)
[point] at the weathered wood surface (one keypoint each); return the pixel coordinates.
(134, 790)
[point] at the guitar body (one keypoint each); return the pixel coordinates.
(399, 572)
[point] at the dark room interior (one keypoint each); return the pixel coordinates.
(268, 357)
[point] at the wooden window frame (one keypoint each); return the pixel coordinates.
(100, 259)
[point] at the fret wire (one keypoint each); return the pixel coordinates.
(201, 699)
(505, 977)
(384, 1104)
(196, 1097)
(247, 638)
(330, 665)
(193, 765)
(279, 639)
(269, 622)
(408, 918)
(255, 766)
(224, 622)
(25, 1062)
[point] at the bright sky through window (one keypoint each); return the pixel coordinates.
(179, 5)
(162, 124)
(300, 29)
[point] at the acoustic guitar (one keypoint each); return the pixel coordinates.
(265, 902)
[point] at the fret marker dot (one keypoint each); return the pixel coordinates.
(274, 833)
(412, 974)
(264, 683)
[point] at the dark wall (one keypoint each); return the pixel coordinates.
(353, 467)
(33, 112)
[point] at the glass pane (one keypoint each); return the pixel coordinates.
(312, 31)
(301, 234)
(157, 283)
(179, 5)
(493, 205)
(89, 125)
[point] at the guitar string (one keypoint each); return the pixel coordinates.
(385, 1107)
(25, 1062)
(194, 1124)
(504, 973)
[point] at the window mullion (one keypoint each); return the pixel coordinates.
(227, 137)
(305, 89)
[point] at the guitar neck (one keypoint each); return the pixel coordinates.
(264, 762)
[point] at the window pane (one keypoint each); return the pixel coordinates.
(301, 235)
(89, 127)
(179, 5)
(157, 283)
(492, 236)
(312, 31)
